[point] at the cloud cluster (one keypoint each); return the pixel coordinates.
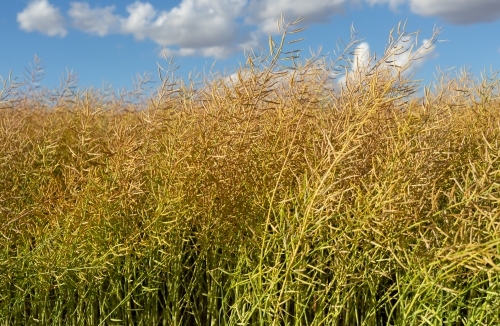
(194, 26)
(215, 28)
(98, 21)
(460, 12)
(218, 28)
(43, 17)
(263, 13)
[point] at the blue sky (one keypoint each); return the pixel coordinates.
(110, 41)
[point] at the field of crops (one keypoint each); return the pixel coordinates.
(268, 198)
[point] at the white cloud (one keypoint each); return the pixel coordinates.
(460, 12)
(264, 13)
(218, 28)
(361, 56)
(139, 19)
(100, 21)
(405, 55)
(213, 28)
(41, 16)
(360, 62)
(424, 53)
(202, 27)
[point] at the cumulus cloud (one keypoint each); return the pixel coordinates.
(218, 28)
(194, 24)
(418, 57)
(42, 17)
(140, 18)
(215, 28)
(361, 61)
(99, 21)
(194, 27)
(264, 13)
(361, 56)
(405, 56)
(460, 12)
